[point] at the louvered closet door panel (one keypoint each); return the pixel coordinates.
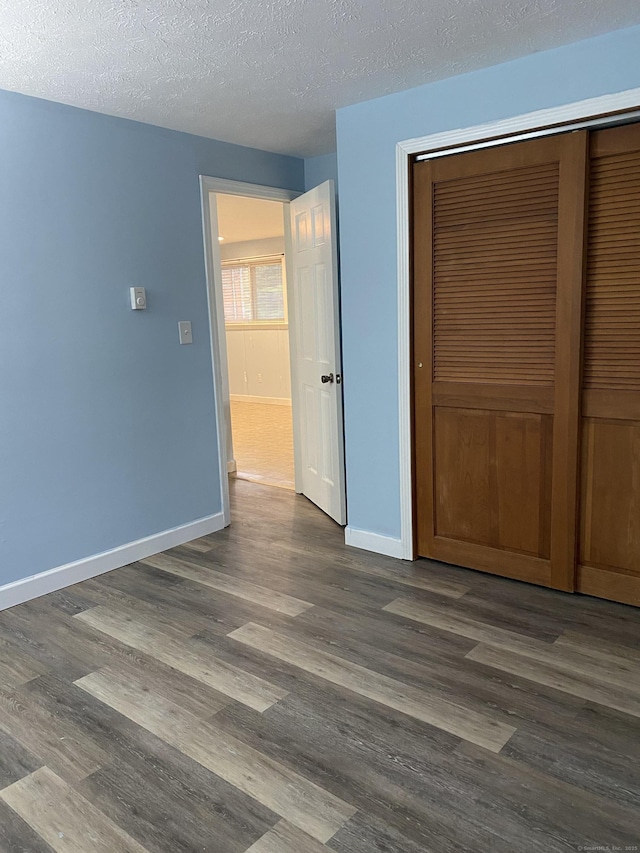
(610, 484)
(497, 237)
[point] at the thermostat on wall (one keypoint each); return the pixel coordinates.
(138, 298)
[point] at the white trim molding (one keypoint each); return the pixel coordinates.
(607, 109)
(222, 185)
(218, 344)
(404, 353)
(34, 586)
(368, 541)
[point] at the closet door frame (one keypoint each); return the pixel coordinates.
(607, 110)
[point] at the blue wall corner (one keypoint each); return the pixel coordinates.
(317, 170)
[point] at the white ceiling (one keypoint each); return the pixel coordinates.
(241, 218)
(270, 73)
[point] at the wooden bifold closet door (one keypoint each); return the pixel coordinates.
(526, 360)
(497, 263)
(609, 548)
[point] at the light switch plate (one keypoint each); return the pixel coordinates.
(184, 331)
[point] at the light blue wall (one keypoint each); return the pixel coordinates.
(320, 169)
(367, 135)
(107, 429)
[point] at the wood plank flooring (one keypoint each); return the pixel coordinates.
(269, 690)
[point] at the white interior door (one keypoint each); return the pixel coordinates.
(316, 349)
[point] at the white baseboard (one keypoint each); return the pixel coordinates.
(232, 466)
(368, 541)
(36, 585)
(271, 401)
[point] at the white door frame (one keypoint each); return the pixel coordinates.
(213, 269)
(607, 109)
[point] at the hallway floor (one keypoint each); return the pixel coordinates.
(267, 689)
(263, 443)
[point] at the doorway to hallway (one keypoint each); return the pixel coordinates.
(251, 242)
(249, 310)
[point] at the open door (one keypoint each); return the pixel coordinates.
(315, 349)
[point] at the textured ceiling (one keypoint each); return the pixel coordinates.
(241, 218)
(270, 73)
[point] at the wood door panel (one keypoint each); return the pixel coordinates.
(497, 265)
(462, 469)
(495, 561)
(511, 398)
(612, 317)
(607, 583)
(610, 523)
(492, 479)
(609, 548)
(619, 405)
(497, 208)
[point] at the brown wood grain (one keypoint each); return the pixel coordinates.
(422, 357)
(508, 398)
(610, 465)
(497, 274)
(568, 364)
(606, 583)
(611, 495)
(622, 405)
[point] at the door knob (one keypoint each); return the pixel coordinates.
(326, 378)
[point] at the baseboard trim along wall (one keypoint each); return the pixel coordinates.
(368, 541)
(34, 586)
(272, 401)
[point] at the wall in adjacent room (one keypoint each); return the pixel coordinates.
(107, 429)
(367, 136)
(259, 368)
(252, 249)
(258, 355)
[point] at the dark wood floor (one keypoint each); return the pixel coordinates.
(267, 689)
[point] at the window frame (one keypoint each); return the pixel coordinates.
(252, 262)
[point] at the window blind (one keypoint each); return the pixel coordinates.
(253, 291)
